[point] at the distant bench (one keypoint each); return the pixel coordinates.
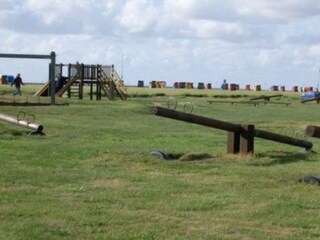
(311, 99)
(265, 98)
(254, 103)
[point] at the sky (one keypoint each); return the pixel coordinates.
(256, 42)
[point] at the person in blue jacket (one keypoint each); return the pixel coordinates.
(224, 84)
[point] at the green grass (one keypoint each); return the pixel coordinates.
(92, 175)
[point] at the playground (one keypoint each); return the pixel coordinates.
(70, 79)
(103, 80)
(91, 176)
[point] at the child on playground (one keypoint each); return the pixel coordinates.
(17, 82)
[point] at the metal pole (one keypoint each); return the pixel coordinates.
(32, 56)
(37, 127)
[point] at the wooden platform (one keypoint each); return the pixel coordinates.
(29, 101)
(29, 104)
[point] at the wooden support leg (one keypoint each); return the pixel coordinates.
(313, 131)
(233, 143)
(247, 139)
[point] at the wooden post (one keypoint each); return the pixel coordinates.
(70, 77)
(82, 76)
(98, 89)
(111, 82)
(233, 146)
(313, 131)
(93, 78)
(98, 86)
(52, 85)
(247, 139)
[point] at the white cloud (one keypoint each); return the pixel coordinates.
(266, 57)
(275, 10)
(170, 39)
(207, 10)
(137, 16)
(314, 50)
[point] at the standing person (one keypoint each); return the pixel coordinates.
(224, 85)
(17, 82)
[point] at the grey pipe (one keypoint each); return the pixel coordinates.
(36, 127)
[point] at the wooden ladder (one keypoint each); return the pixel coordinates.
(105, 82)
(119, 85)
(111, 85)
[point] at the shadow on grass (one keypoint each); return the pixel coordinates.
(195, 157)
(275, 158)
(182, 156)
(13, 132)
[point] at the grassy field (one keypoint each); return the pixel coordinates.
(92, 175)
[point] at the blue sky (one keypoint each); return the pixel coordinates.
(266, 42)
